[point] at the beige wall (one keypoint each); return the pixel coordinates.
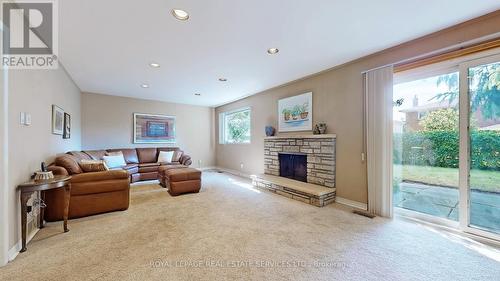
(4, 192)
(338, 100)
(35, 91)
(108, 123)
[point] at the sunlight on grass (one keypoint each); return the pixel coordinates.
(479, 179)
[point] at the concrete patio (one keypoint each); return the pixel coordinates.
(443, 202)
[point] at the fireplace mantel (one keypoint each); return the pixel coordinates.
(309, 136)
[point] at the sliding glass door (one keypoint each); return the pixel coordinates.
(426, 144)
(480, 145)
(446, 142)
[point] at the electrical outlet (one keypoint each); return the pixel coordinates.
(241, 165)
(199, 163)
(27, 120)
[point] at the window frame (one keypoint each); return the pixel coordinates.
(223, 126)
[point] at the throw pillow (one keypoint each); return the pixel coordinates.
(93, 165)
(70, 163)
(165, 156)
(177, 156)
(114, 161)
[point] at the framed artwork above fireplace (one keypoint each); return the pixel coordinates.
(154, 128)
(295, 113)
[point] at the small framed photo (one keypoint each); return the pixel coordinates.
(67, 126)
(57, 120)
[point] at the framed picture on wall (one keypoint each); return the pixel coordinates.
(67, 126)
(57, 120)
(295, 113)
(154, 128)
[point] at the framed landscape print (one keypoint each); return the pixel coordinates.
(295, 113)
(67, 126)
(57, 120)
(152, 128)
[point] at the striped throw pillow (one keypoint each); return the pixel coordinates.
(93, 165)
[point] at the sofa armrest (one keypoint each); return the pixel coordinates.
(100, 176)
(185, 160)
(58, 170)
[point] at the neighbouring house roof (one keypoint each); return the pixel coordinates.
(430, 106)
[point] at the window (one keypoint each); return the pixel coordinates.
(235, 126)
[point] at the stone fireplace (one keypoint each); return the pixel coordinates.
(301, 167)
(318, 149)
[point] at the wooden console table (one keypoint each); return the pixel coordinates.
(42, 185)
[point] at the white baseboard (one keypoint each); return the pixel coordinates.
(351, 203)
(232, 172)
(14, 251)
(208, 168)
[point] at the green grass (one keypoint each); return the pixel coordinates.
(479, 179)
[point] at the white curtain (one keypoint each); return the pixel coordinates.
(378, 103)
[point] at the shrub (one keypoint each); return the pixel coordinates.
(441, 149)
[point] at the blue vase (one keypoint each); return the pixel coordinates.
(270, 131)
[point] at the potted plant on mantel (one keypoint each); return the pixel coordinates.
(286, 114)
(296, 112)
(304, 110)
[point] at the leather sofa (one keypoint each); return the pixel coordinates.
(100, 192)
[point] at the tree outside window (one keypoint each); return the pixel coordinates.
(236, 126)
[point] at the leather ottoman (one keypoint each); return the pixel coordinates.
(180, 180)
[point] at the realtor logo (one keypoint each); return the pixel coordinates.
(29, 34)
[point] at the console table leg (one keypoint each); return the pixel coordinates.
(24, 219)
(67, 192)
(42, 210)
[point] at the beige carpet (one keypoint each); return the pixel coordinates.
(230, 231)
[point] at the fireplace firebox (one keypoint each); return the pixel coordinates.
(293, 166)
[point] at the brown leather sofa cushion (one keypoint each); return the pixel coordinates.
(96, 154)
(130, 154)
(57, 170)
(68, 162)
(149, 164)
(147, 155)
(98, 187)
(79, 155)
(100, 176)
(148, 169)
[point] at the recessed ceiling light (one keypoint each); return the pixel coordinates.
(180, 14)
(222, 79)
(197, 94)
(273, 51)
(154, 64)
(144, 85)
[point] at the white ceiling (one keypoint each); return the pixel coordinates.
(106, 46)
